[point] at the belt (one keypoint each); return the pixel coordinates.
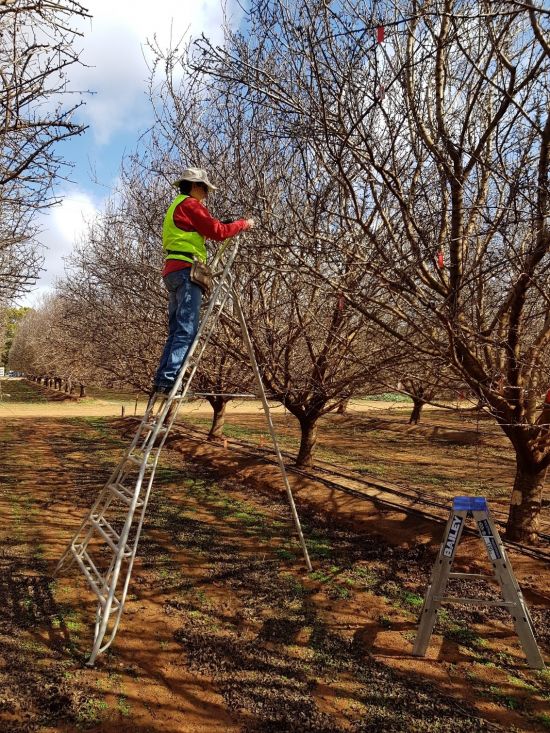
(189, 255)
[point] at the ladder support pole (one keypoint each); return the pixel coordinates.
(252, 356)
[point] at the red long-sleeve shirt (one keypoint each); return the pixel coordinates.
(191, 216)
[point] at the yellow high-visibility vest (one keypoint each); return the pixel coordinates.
(177, 244)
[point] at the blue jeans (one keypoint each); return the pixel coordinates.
(183, 322)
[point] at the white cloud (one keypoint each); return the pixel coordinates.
(61, 228)
(114, 47)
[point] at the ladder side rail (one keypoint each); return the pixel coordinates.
(101, 625)
(153, 466)
(118, 474)
(510, 589)
(101, 647)
(119, 559)
(267, 412)
(505, 567)
(438, 581)
(105, 498)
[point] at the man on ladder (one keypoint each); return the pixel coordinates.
(186, 226)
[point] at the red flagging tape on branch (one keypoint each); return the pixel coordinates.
(380, 34)
(440, 262)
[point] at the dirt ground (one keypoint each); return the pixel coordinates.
(224, 629)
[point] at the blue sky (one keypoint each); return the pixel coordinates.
(114, 48)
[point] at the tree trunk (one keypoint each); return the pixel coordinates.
(418, 404)
(82, 390)
(342, 407)
(308, 428)
(525, 505)
(218, 419)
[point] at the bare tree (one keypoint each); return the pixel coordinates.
(222, 372)
(438, 128)
(114, 298)
(37, 49)
(314, 351)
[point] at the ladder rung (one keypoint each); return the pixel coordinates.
(137, 460)
(124, 493)
(176, 396)
(109, 534)
(94, 577)
(473, 601)
(472, 575)
(152, 426)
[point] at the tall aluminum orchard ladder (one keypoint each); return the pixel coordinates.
(105, 545)
(512, 597)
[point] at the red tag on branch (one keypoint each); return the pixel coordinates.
(380, 33)
(440, 262)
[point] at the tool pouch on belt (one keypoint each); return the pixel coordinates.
(201, 275)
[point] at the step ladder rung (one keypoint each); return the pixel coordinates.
(96, 581)
(109, 534)
(124, 493)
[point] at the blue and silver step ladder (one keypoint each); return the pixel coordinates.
(475, 507)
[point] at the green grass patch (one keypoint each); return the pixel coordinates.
(412, 599)
(123, 706)
(284, 554)
(464, 636)
(319, 547)
(509, 701)
(387, 397)
(543, 719)
(91, 712)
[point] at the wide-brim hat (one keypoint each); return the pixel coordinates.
(194, 175)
